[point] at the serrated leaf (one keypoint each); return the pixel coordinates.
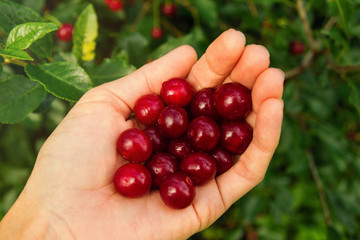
(65, 80)
(23, 35)
(13, 14)
(15, 53)
(208, 11)
(109, 70)
(18, 97)
(84, 35)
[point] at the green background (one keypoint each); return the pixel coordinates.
(312, 188)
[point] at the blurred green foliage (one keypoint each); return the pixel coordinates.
(312, 188)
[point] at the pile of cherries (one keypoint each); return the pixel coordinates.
(189, 139)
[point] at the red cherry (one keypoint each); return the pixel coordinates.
(235, 136)
(233, 101)
(160, 166)
(203, 104)
(169, 9)
(65, 32)
(200, 167)
(159, 143)
(297, 47)
(176, 91)
(224, 159)
(172, 121)
(177, 190)
(203, 134)
(114, 5)
(157, 33)
(134, 145)
(179, 147)
(132, 180)
(147, 109)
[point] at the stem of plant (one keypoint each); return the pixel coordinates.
(320, 187)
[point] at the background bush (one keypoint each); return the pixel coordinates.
(312, 188)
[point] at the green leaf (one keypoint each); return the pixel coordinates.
(63, 79)
(13, 14)
(36, 5)
(333, 234)
(18, 97)
(344, 10)
(136, 45)
(84, 35)
(23, 35)
(354, 97)
(170, 45)
(15, 53)
(109, 70)
(208, 11)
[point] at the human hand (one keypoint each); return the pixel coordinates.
(70, 193)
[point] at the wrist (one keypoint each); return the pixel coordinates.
(27, 220)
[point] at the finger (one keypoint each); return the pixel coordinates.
(253, 163)
(254, 60)
(218, 61)
(149, 78)
(269, 84)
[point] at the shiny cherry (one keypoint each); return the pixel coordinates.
(177, 190)
(147, 109)
(65, 32)
(224, 159)
(203, 104)
(161, 165)
(203, 134)
(114, 5)
(200, 166)
(157, 33)
(169, 9)
(232, 101)
(235, 136)
(179, 147)
(172, 121)
(132, 180)
(176, 91)
(159, 143)
(134, 145)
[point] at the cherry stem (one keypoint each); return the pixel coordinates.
(156, 13)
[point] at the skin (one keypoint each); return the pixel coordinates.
(70, 193)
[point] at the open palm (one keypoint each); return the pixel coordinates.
(72, 177)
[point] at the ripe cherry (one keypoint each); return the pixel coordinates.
(179, 147)
(203, 134)
(176, 91)
(235, 136)
(177, 190)
(297, 47)
(114, 5)
(157, 33)
(200, 167)
(232, 101)
(134, 145)
(159, 143)
(172, 121)
(160, 166)
(147, 109)
(65, 32)
(203, 104)
(132, 180)
(169, 9)
(224, 160)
